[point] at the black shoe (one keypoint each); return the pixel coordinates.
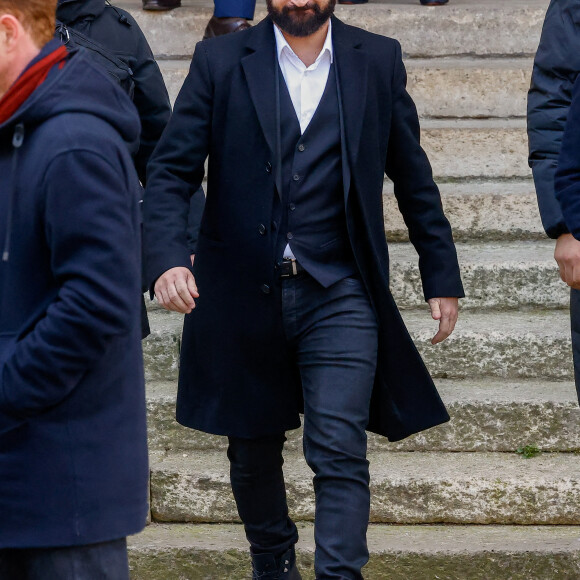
(268, 567)
(220, 26)
(161, 4)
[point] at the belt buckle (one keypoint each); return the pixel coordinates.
(294, 270)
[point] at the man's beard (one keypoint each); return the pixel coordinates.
(296, 21)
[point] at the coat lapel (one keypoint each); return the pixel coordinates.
(260, 70)
(352, 67)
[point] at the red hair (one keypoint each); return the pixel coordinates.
(38, 17)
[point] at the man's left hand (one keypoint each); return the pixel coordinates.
(444, 310)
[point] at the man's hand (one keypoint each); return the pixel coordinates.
(175, 290)
(445, 311)
(567, 254)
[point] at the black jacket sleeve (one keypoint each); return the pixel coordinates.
(567, 183)
(418, 196)
(556, 66)
(176, 171)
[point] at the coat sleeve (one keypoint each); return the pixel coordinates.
(91, 227)
(567, 181)
(418, 196)
(176, 171)
(556, 66)
(150, 99)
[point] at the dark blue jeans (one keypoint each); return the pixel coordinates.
(333, 334)
(106, 561)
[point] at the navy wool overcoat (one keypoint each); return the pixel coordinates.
(236, 376)
(73, 452)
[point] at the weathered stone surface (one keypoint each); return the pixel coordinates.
(476, 149)
(462, 28)
(486, 415)
(220, 552)
(478, 211)
(464, 488)
(511, 345)
(499, 275)
(161, 347)
(472, 87)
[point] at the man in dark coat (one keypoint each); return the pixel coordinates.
(300, 120)
(73, 456)
(556, 67)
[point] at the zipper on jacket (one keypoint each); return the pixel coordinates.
(17, 141)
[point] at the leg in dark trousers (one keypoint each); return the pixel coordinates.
(105, 561)
(336, 336)
(258, 486)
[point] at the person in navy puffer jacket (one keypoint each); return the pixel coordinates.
(73, 454)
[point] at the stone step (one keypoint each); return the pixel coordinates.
(471, 149)
(464, 27)
(479, 210)
(501, 275)
(498, 275)
(511, 345)
(220, 552)
(406, 488)
(486, 415)
(472, 87)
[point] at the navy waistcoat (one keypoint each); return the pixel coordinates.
(313, 217)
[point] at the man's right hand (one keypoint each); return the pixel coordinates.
(567, 254)
(176, 289)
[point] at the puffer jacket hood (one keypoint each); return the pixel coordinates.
(79, 87)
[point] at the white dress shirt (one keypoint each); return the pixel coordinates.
(305, 84)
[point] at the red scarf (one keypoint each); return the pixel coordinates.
(28, 82)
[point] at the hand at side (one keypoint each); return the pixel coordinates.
(567, 254)
(445, 310)
(176, 289)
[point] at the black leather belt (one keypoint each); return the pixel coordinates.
(289, 268)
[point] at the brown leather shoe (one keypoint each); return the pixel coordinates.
(161, 4)
(221, 26)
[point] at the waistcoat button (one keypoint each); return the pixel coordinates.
(289, 235)
(268, 167)
(301, 147)
(266, 289)
(262, 229)
(296, 177)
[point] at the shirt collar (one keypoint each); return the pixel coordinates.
(282, 43)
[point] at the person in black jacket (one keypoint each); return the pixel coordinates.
(556, 67)
(116, 30)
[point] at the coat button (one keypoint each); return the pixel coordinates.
(289, 235)
(301, 147)
(268, 167)
(296, 177)
(262, 229)
(266, 289)
(291, 207)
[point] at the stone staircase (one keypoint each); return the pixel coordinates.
(457, 501)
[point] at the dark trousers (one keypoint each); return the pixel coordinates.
(235, 8)
(333, 334)
(106, 561)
